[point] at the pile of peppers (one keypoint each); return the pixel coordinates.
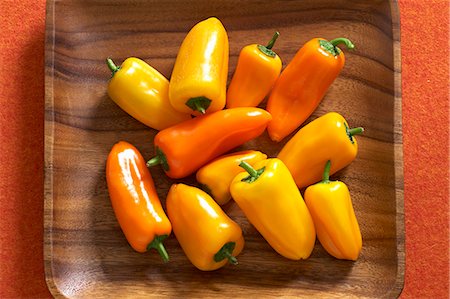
(201, 121)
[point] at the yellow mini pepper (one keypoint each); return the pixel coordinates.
(199, 77)
(257, 69)
(271, 201)
(325, 138)
(216, 176)
(143, 92)
(208, 237)
(331, 208)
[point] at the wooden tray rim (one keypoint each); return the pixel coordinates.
(49, 135)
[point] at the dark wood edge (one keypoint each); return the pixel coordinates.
(398, 153)
(48, 141)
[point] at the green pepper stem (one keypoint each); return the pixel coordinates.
(251, 171)
(199, 108)
(225, 253)
(355, 131)
(160, 158)
(273, 40)
(159, 246)
(112, 66)
(326, 172)
(342, 40)
(232, 259)
(154, 161)
(200, 104)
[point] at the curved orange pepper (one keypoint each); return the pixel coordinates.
(326, 138)
(187, 146)
(303, 83)
(135, 201)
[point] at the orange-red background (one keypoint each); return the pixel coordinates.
(425, 79)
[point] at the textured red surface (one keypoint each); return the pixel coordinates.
(425, 92)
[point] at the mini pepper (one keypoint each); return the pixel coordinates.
(332, 211)
(143, 92)
(325, 138)
(208, 237)
(135, 201)
(184, 148)
(271, 201)
(257, 69)
(199, 76)
(303, 83)
(216, 176)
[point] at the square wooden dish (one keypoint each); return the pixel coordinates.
(86, 254)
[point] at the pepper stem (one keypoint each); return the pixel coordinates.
(198, 107)
(112, 66)
(225, 253)
(331, 46)
(160, 158)
(159, 246)
(355, 131)
(154, 161)
(273, 40)
(351, 132)
(342, 40)
(326, 173)
(200, 104)
(267, 50)
(232, 259)
(253, 173)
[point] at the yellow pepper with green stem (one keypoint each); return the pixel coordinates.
(331, 208)
(199, 76)
(271, 201)
(143, 92)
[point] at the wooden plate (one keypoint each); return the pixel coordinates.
(86, 254)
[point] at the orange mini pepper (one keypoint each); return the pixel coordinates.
(208, 237)
(325, 138)
(332, 211)
(135, 201)
(303, 83)
(216, 176)
(187, 146)
(257, 69)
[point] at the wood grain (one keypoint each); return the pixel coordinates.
(86, 254)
